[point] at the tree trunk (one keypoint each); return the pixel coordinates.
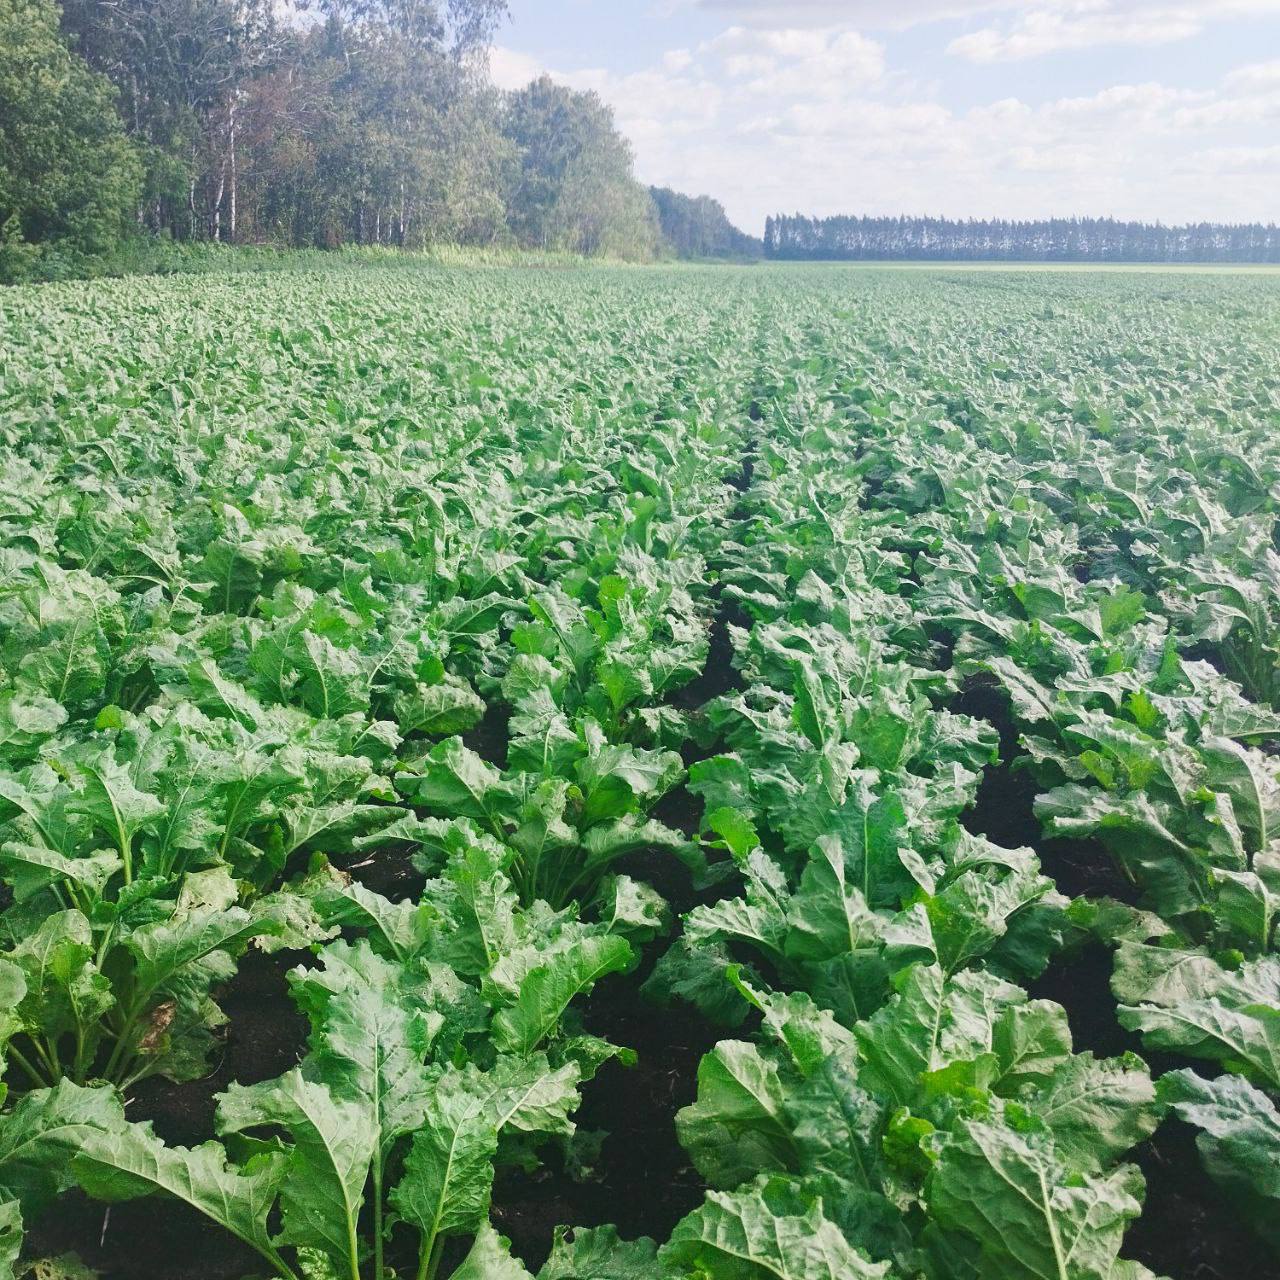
(220, 191)
(191, 196)
(231, 136)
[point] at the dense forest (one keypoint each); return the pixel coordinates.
(999, 240)
(339, 122)
(698, 227)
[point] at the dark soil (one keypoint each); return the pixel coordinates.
(1004, 814)
(1004, 811)
(389, 872)
(719, 675)
(643, 1181)
(150, 1240)
(1189, 1230)
(681, 810)
(489, 738)
(265, 1037)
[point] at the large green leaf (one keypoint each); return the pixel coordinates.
(739, 1123)
(129, 1161)
(532, 1096)
(321, 1183)
(163, 949)
(1097, 1110)
(10, 1237)
(44, 1130)
(598, 1253)
(448, 1173)
(1239, 1141)
(1186, 1001)
(933, 1023)
(829, 916)
(767, 1231)
(369, 1040)
(1031, 1217)
(547, 991)
(117, 807)
(457, 782)
(64, 991)
(490, 1259)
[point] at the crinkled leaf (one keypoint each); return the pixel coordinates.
(41, 1133)
(10, 1237)
(448, 1173)
(739, 1123)
(130, 1161)
(547, 991)
(598, 1253)
(334, 1142)
(490, 1259)
(1239, 1141)
(369, 1039)
(1230, 1016)
(1032, 1220)
(765, 1232)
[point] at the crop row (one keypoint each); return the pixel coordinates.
(445, 577)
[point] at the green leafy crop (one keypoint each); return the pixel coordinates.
(835, 654)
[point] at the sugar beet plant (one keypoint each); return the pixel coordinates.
(943, 609)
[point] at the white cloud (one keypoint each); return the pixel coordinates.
(816, 118)
(879, 14)
(1232, 113)
(1023, 27)
(511, 69)
(739, 65)
(1220, 161)
(1052, 26)
(821, 63)
(1049, 32)
(1257, 75)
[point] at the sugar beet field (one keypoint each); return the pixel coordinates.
(639, 774)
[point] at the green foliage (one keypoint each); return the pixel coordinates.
(700, 228)
(575, 189)
(406, 618)
(69, 180)
(1239, 1140)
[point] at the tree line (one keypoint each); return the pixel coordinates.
(323, 123)
(699, 227)
(796, 237)
(336, 122)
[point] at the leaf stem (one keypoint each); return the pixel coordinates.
(50, 1060)
(429, 1261)
(126, 1027)
(21, 1059)
(353, 1247)
(78, 1068)
(377, 1217)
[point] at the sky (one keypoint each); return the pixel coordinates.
(1157, 110)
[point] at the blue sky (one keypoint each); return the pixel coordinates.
(1151, 109)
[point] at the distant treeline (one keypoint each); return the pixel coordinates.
(1001, 240)
(698, 227)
